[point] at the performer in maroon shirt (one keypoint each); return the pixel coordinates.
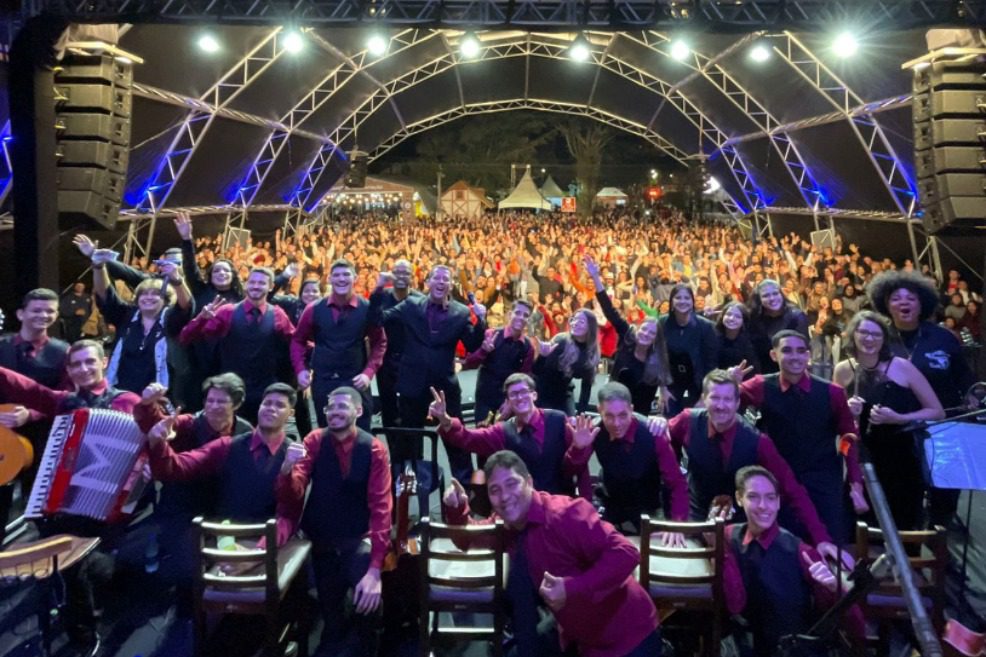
(770, 577)
(543, 438)
(577, 563)
(340, 326)
(809, 421)
(737, 444)
(350, 499)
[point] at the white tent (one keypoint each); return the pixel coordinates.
(610, 197)
(551, 191)
(525, 195)
(461, 200)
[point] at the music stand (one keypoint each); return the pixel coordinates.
(955, 457)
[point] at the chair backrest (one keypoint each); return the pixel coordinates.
(468, 558)
(37, 560)
(224, 564)
(428, 473)
(683, 577)
(928, 556)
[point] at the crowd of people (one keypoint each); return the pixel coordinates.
(690, 323)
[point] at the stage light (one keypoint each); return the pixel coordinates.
(760, 53)
(680, 50)
(293, 42)
(712, 186)
(580, 49)
(845, 45)
(469, 46)
(377, 45)
(208, 43)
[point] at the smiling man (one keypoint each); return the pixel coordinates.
(341, 327)
(563, 556)
(349, 473)
(31, 351)
(809, 421)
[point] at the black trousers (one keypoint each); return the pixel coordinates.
(414, 414)
(390, 414)
(337, 572)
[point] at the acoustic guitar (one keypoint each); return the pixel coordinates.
(16, 451)
(400, 566)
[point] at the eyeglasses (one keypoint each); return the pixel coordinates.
(869, 334)
(519, 394)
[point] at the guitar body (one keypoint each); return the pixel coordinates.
(400, 575)
(16, 451)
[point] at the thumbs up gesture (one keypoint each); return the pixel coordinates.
(552, 591)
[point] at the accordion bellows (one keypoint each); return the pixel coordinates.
(93, 466)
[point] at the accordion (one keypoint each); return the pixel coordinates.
(93, 466)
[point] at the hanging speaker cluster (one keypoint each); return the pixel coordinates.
(356, 174)
(92, 118)
(949, 111)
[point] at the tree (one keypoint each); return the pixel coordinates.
(586, 142)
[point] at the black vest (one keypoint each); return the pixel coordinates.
(802, 426)
(246, 492)
(506, 358)
(198, 497)
(46, 366)
(778, 598)
(338, 509)
(340, 348)
(632, 478)
(708, 476)
(251, 351)
(83, 399)
(545, 465)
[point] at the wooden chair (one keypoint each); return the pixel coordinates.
(886, 603)
(40, 563)
(456, 580)
(688, 579)
(250, 581)
(427, 471)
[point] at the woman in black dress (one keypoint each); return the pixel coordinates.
(692, 349)
(569, 356)
(888, 392)
(735, 345)
(770, 313)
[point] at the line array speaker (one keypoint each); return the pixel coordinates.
(93, 111)
(356, 174)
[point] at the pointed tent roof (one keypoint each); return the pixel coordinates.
(611, 191)
(550, 188)
(525, 195)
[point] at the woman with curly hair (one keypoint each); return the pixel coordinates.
(910, 299)
(770, 313)
(641, 359)
(570, 355)
(887, 393)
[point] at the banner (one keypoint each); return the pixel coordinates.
(568, 204)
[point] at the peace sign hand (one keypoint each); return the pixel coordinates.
(438, 409)
(209, 310)
(164, 430)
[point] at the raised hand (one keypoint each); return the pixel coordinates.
(209, 310)
(85, 245)
(545, 348)
(164, 430)
(153, 393)
(552, 591)
(455, 496)
(584, 431)
(384, 278)
(438, 409)
(102, 256)
(294, 453)
(590, 266)
(183, 223)
(821, 573)
(171, 270)
(489, 342)
(304, 379)
(479, 309)
(741, 371)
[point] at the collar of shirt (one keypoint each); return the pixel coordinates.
(535, 513)
(630, 433)
(440, 306)
(727, 435)
(536, 424)
(346, 444)
(36, 345)
(804, 383)
(342, 302)
(257, 442)
(99, 388)
(249, 305)
(765, 539)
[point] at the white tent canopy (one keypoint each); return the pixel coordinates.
(525, 195)
(551, 191)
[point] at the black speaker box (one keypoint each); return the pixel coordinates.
(951, 103)
(356, 174)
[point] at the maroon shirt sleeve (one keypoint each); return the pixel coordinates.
(300, 338)
(476, 358)
(378, 347)
(125, 403)
(853, 622)
(672, 478)
(793, 494)
(200, 327)
(16, 388)
(282, 324)
(168, 465)
(751, 391)
(575, 464)
(484, 441)
(381, 503)
(678, 430)
(732, 581)
(846, 425)
(289, 489)
(528, 365)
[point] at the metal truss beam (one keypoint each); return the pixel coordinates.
(555, 47)
(492, 107)
(189, 135)
(875, 107)
(713, 72)
(6, 168)
(723, 15)
(862, 215)
(325, 90)
(902, 190)
(202, 210)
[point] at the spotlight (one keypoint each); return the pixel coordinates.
(208, 43)
(760, 53)
(580, 49)
(845, 45)
(377, 45)
(680, 50)
(469, 46)
(293, 43)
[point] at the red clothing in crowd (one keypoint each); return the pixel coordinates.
(290, 490)
(43, 402)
